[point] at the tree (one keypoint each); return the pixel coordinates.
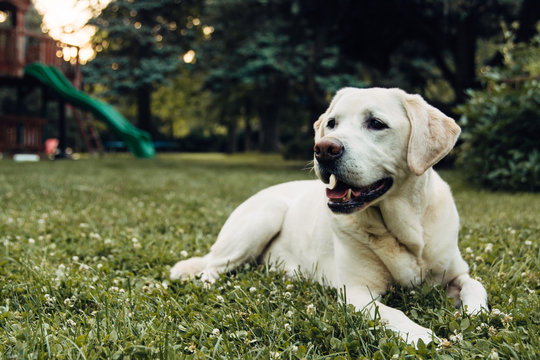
(501, 127)
(264, 52)
(279, 54)
(138, 45)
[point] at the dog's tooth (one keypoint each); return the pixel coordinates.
(348, 196)
(333, 182)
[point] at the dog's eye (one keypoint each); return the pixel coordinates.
(331, 123)
(375, 124)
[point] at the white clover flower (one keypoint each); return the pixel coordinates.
(216, 332)
(495, 312)
(84, 267)
(99, 266)
(507, 319)
(31, 241)
(288, 295)
(488, 248)
(287, 327)
(220, 298)
(294, 349)
(289, 314)
(107, 241)
(236, 287)
(71, 322)
(252, 289)
(493, 355)
(184, 253)
(469, 250)
(75, 258)
(528, 242)
(68, 303)
(274, 355)
(311, 309)
(83, 225)
(456, 338)
(290, 287)
(49, 299)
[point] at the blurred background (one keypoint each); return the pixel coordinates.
(253, 75)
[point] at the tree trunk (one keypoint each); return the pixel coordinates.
(144, 111)
(247, 111)
(248, 146)
(269, 134)
(465, 74)
(232, 126)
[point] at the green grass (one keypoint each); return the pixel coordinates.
(85, 248)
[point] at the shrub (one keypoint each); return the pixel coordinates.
(501, 124)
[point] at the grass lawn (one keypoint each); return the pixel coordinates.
(85, 248)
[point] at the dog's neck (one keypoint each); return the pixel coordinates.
(411, 201)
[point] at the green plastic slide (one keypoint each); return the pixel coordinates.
(139, 142)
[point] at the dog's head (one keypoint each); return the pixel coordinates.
(370, 140)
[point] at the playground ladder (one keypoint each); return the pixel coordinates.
(88, 133)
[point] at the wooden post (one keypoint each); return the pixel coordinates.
(62, 137)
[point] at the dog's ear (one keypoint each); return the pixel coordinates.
(432, 136)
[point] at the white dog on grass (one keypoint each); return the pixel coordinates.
(379, 215)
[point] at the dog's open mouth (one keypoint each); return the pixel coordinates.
(344, 198)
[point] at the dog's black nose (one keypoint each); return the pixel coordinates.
(328, 150)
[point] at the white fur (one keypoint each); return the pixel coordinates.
(406, 236)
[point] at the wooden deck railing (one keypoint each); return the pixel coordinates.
(19, 49)
(21, 133)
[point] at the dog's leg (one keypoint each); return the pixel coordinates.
(401, 263)
(468, 292)
(243, 237)
(394, 319)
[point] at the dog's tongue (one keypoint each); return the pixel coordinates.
(338, 192)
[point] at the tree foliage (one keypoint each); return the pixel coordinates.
(501, 122)
(267, 68)
(139, 45)
(286, 57)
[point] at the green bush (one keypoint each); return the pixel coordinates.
(501, 124)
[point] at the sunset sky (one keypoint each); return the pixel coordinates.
(65, 21)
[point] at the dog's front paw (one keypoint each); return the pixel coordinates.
(475, 308)
(414, 335)
(426, 336)
(186, 269)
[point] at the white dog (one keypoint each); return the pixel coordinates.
(384, 217)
